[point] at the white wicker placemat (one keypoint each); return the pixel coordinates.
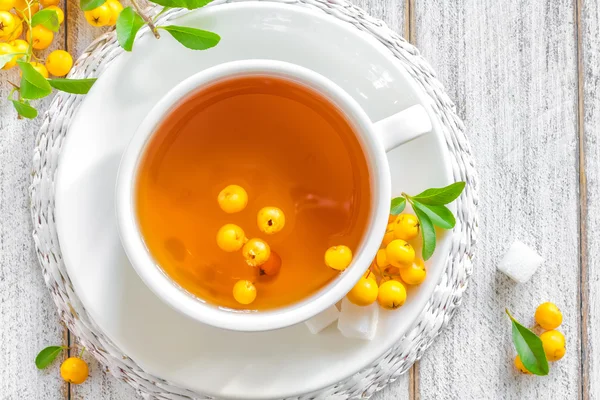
(438, 311)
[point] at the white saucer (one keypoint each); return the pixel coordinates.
(163, 342)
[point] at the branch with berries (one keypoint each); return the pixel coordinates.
(42, 18)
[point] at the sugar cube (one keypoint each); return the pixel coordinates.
(358, 322)
(321, 321)
(520, 262)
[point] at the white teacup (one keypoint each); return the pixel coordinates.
(375, 138)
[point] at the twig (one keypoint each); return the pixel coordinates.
(146, 18)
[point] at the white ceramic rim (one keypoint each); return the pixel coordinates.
(249, 321)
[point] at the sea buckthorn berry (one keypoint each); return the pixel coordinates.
(381, 259)
(338, 257)
(59, 13)
(256, 252)
(519, 365)
(406, 227)
(230, 237)
(6, 48)
(387, 237)
(364, 292)
(270, 220)
(7, 5)
(233, 199)
(115, 9)
(272, 266)
(399, 253)
(40, 37)
(49, 3)
(18, 31)
(8, 24)
(392, 295)
(99, 16)
(40, 68)
(391, 218)
(244, 292)
(548, 316)
(370, 275)
(74, 370)
(554, 345)
(19, 46)
(415, 273)
(59, 63)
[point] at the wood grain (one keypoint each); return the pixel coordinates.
(511, 66)
(28, 317)
(590, 104)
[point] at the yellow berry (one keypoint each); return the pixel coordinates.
(49, 3)
(381, 259)
(19, 46)
(388, 236)
(554, 345)
(519, 365)
(99, 16)
(59, 63)
(230, 237)
(415, 273)
(256, 252)
(40, 68)
(17, 32)
(8, 24)
(406, 227)
(270, 220)
(392, 295)
(391, 218)
(59, 13)
(6, 48)
(25, 10)
(364, 292)
(40, 37)
(244, 292)
(399, 253)
(338, 257)
(233, 199)
(115, 9)
(548, 316)
(272, 266)
(74, 370)
(7, 5)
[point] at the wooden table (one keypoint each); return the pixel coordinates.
(524, 75)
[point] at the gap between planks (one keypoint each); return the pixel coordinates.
(584, 368)
(410, 35)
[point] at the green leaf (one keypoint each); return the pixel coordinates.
(87, 5)
(427, 233)
(47, 18)
(128, 25)
(4, 59)
(24, 110)
(192, 38)
(33, 84)
(398, 204)
(529, 347)
(46, 356)
(439, 215)
(441, 196)
(75, 86)
(189, 4)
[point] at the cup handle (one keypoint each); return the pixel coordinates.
(403, 127)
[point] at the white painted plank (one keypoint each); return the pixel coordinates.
(590, 40)
(511, 68)
(28, 317)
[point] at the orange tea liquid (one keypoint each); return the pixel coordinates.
(288, 147)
